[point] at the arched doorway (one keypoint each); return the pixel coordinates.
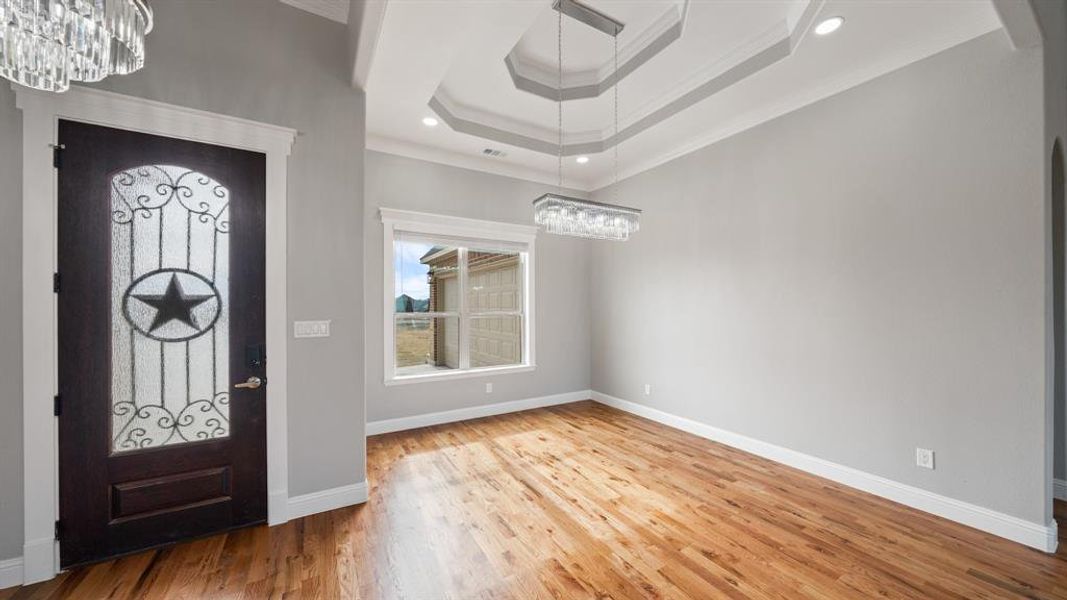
(1059, 321)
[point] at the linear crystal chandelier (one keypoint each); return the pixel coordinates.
(46, 44)
(565, 215)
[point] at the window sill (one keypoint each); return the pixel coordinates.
(448, 375)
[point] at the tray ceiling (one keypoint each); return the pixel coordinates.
(691, 72)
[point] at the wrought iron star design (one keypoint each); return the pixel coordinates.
(174, 304)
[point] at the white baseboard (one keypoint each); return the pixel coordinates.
(474, 412)
(1035, 535)
(40, 560)
(332, 499)
(10, 572)
(1059, 489)
(277, 507)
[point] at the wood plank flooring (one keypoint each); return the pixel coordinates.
(583, 501)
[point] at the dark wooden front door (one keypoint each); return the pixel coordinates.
(161, 312)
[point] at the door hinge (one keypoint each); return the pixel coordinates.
(57, 155)
(57, 405)
(59, 529)
(55, 283)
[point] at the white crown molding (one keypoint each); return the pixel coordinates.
(536, 78)
(576, 143)
(327, 500)
(1035, 535)
(473, 412)
(801, 21)
(739, 124)
(334, 10)
(675, 18)
(750, 65)
(786, 105)
(784, 39)
(750, 57)
(1020, 22)
(369, 22)
(479, 163)
(446, 107)
(521, 68)
(715, 69)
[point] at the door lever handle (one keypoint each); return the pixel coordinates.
(251, 383)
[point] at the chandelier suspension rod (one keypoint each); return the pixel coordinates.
(559, 91)
(578, 217)
(615, 140)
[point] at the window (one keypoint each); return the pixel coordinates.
(458, 297)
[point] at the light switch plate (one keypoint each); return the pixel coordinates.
(311, 329)
(489, 388)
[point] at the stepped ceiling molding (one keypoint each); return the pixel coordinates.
(334, 10)
(691, 72)
(538, 77)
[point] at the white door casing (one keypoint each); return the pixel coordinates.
(41, 112)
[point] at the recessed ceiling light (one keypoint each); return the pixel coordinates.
(828, 26)
(429, 121)
(582, 160)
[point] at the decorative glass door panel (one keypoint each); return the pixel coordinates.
(170, 321)
(162, 357)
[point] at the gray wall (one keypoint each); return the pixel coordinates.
(562, 286)
(267, 62)
(10, 325)
(855, 279)
(1052, 17)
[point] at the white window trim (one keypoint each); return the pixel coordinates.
(406, 221)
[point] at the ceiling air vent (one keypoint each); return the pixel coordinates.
(494, 152)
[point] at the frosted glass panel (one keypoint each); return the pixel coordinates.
(169, 308)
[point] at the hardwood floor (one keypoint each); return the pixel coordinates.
(583, 501)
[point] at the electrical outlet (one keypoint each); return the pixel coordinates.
(648, 389)
(488, 388)
(924, 458)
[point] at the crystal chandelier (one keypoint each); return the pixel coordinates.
(46, 44)
(565, 215)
